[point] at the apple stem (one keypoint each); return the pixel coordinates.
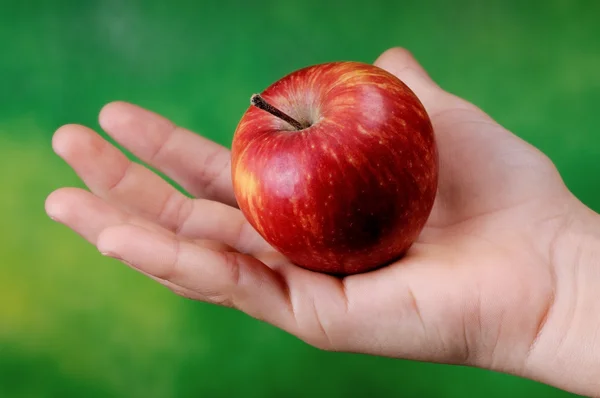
(260, 103)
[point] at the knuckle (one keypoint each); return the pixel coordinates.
(174, 211)
(121, 178)
(159, 148)
(211, 172)
(169, 271)
(232, 264)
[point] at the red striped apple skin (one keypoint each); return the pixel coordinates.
(350, 193)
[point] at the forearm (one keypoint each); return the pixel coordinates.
(567, 354)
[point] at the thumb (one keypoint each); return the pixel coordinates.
(401, 63)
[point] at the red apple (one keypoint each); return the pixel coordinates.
(336, 166)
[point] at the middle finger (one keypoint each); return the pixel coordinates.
(137, 190)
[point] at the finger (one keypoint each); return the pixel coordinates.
(109, 174)
(89, 215)
(229, 279)
(464, 135)
(232, 278)
(199, 165)
(398, 61)
(112, 176)
(401, 63)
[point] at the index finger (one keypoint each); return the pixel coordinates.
(199, 165)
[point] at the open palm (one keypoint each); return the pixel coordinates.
(476, 288)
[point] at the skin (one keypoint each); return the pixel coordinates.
(504, 275)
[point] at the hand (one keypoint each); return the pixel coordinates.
(494, 280)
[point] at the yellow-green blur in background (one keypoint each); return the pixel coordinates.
(74, 324)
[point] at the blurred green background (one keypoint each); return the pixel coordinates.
(73, 324)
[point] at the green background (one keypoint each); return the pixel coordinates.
(73, 324)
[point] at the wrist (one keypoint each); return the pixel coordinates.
(567, 352)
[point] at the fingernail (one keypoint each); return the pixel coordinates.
(110, 254)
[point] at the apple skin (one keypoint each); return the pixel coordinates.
(353, 191)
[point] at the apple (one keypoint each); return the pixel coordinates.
(336, 166)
